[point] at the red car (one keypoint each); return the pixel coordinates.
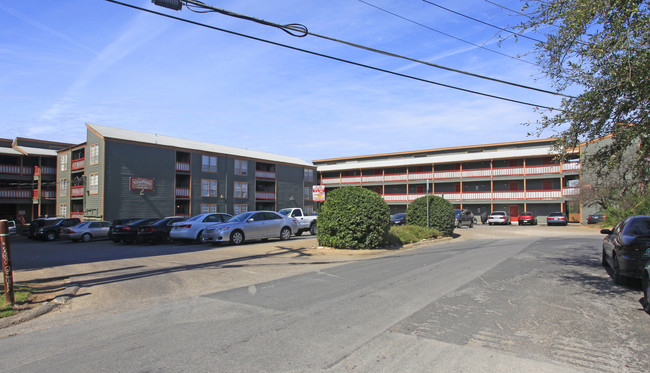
(527, 218)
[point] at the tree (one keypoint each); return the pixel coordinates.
(603, 49)
(441, 215)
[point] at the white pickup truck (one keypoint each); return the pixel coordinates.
(305, 223)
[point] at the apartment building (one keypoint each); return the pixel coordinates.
(28, 177)
(119, 173)
(513, 177)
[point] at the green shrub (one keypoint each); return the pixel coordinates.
(353, 218)
(404, 234)
(635, 203)
(442, 216)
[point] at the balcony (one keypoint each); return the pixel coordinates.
(43, 171)
(488, 196)
(182, 192)
(269, 196)
(270, 175)
(78, 164)
(16, 193)
(79, 215)
(77, 191)
(183, 166)
(44, 194)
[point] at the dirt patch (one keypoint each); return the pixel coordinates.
(43, 291)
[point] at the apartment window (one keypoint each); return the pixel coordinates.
(309, 174)
(309, 194)
(309, 210)
(209, 163)
(240, 208)
(93, 185)
(208, 188)
(241, 190)
(63, 188)
(94, 154)
(241, 167)
(64, 162)
(63, 210)
(208, 208)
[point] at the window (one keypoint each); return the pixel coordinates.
(209, 163)
(63, 210)
(309, 210)
(241, 167)
(94, 154)
(63, 187)
(93, 185)
(240, 208)
(64, 162)
(309, 174)
(208, 208)
(208, 188)
(241, 190)
(309, 194)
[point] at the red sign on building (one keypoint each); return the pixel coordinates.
(141, 183)
(319, 193)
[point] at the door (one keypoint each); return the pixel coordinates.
(255, 226)
(514, 212)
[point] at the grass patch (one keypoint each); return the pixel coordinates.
(405, 234)
(21, 295)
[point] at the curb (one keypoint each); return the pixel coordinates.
(33, 313)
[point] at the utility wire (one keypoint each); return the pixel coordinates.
(307, 32)
(448, 35)
(332, 57)
(483, 22)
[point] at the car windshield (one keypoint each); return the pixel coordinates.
(82, 225)
(498, 213)
(556, 214)
(399, 216)
(526, 214)
(50, 222)
(284, 212)
(240, 218)
(197, 217)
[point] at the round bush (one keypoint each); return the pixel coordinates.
(353, 218)
(441, 214)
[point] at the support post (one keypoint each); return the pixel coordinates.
(6, 263)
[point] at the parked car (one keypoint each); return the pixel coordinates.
(49, 229)
(556, 218)
(253, 225)
(157, 232)
(118, 222)
(464, 218)
(645, 283)
(398, 219)
(305, 222)
(11, 227)
(499, 217)
(191, 229)
(596, 218)
(87, 231)
(527, 218)
(129, 232)
(626, 248)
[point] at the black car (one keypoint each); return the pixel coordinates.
(464, 218)
(157, 232)
(129, 232)
(398, 219)
(645, 283)
(626, 249)
(596, 218)
(48, 229)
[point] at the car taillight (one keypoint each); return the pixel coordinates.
(184, 226)
(71, 231)
(562, 218)
(604, 216)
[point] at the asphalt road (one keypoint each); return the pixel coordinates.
(495, 299)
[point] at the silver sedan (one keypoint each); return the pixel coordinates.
(87, 231)
(253, 225)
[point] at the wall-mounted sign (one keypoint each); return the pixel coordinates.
(141, 183)
(319, 193)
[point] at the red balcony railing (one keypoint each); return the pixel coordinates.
(487, 196)
(77, 191)
(76, 214)
(78, 164)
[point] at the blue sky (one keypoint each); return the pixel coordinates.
(70, 62)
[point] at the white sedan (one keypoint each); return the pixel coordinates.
(191, 229)
(499, 217)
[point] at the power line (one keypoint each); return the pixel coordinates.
(448, 35)
(483, 22)
(332, 57)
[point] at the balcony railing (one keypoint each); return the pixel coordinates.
(265, 174)
(182, 192)
(44, 194)
(183, 166)
(42, 171)
(265, 195)
(16, 193)
(76, 214)
(488, 196)
(455, 174)
(78, 164)
(77, 191)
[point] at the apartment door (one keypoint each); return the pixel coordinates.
(514, 212)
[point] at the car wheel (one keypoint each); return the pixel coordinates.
(50, 236)
(489, 223)
(603, 259)
(646, 292)
(471, 224)
(314, 229)
(86, 237)
(285, 234)
(298, 233)
(199, 237)
(237, 237)
(618, 278)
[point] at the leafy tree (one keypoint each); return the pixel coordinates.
(442, 215)
(353, 218)
(602, 48)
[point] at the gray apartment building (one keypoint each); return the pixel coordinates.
(513, 177)
(28, 178)
(120, 173)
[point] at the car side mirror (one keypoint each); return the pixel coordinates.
(250, 220)
(606, 231)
